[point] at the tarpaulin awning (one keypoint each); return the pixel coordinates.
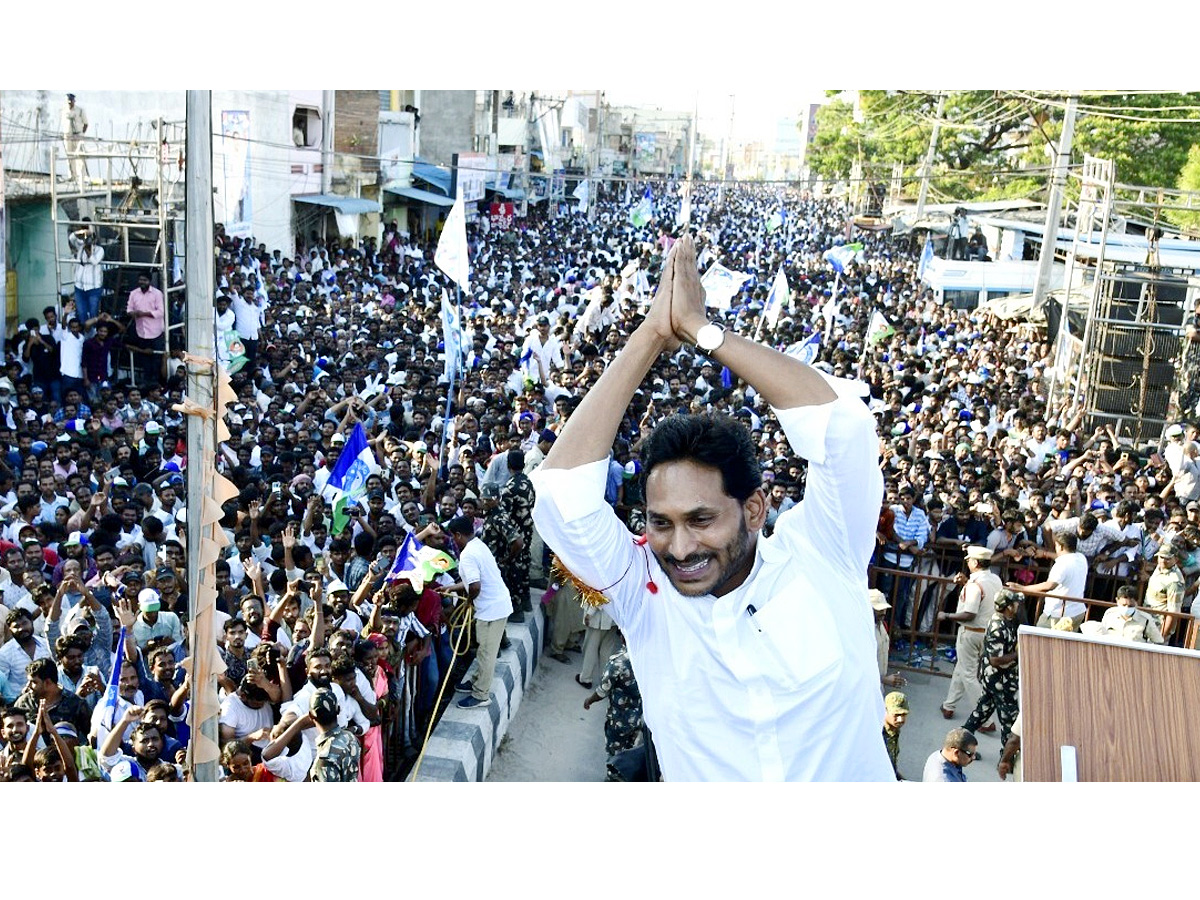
(431, 174)
(420, 196)
(345, 205)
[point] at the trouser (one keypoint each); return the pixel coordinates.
(965, 680)
(516, 578)
(898, 590)
(598, 646)
(51, 386)
(566, 617)
(73, 384)
(488, 635)
(1000, 697)
(87, 304)
(148, 362)
(75, 161)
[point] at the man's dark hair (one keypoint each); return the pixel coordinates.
(1067, 541)
(42, 669)
(461, 525)
(717, 441)
(516, 461)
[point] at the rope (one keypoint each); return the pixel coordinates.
(460, 617)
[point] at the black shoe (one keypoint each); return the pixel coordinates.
(517, 617)
(505, 643)
(561, 657)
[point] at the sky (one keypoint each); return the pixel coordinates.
(756, 113)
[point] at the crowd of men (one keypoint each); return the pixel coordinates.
(334, 670)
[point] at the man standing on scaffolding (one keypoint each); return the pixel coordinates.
(74, 127)
(148, 311)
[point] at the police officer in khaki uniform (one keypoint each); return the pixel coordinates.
(1164, 589)
(1126, 622)
(979, 588)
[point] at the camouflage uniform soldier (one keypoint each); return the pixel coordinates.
(338, 751)
(623, 724)
(895, 707)
(516, 499)
(998, 667)
(498, 528)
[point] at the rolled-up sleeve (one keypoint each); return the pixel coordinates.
(844, 486)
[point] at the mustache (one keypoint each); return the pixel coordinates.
(687, 560)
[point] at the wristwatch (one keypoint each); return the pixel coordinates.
(710, 337)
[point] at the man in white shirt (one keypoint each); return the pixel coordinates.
(1183, 457)
(1067, 578)
(89, 273)
(541, 353)
(248, 315)
(756, 657)
(481, 581)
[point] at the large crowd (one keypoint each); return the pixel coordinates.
(334, 670)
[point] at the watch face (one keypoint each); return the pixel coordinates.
(710, 337)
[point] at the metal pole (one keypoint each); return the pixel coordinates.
(201, 434)
(528, 155)
(1054, 205)
(928, 164)
(54, 221)
(1097, 280)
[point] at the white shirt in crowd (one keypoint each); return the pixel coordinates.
(476, 564)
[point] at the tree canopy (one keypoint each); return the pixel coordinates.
(1000, 143)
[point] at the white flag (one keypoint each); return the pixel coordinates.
(582, 194)
(451, 255)
(452, 336)
(720, 284)
(777, 298)
(684, 218)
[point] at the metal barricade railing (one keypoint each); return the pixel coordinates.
(917, 596)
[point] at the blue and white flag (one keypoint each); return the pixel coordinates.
(806, 351)
(418, 564)
(112, 699)
(452, 336)
(720, 284)
(840, 257)
(641, 214)
(926, 256)
(348, 481)
(777, 298)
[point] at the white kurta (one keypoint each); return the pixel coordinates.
(787, 692)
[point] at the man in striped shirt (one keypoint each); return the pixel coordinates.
(911, 530)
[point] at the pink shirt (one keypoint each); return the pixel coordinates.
(150, 300)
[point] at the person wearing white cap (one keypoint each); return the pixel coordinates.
(1183, 457)
(978, 588)
(153, 621)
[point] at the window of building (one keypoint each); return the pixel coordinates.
(306, 127)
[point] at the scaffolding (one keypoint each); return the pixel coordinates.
(137, 217)
(1137, 369)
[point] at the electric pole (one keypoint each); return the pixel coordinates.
(201, 432)
(927, 167)
(1058, 181)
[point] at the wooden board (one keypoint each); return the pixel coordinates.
(1132, 711)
